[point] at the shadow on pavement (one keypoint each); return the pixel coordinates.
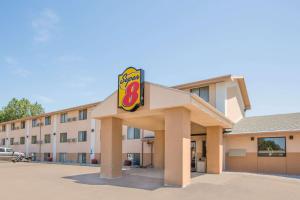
(128, 181)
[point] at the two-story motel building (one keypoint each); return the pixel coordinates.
(199, 126)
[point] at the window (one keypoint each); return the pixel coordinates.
(3, 142)
(13, 126)
(82, 158)
(83, 114)
(82, 136)
(47, 156)
(63, 137)
(133, 133)
(22, 124)
(33, 140)
(11, 141)
(34, 123)
(22, 140)
(271, 147)
(33, 156)
(2, 150)
(134, 158)
(202, 92)
(4, 128)
(63, 118)
(47, 139)
(47, 120)
(62, 157)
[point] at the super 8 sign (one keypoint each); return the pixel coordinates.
(131, 89)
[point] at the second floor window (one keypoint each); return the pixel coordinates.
(133, 133)
(22, 140)
(63, 118)
(82, 136)
(47, 139)
(22, 124)
(82, 114)
(33, 140)
(47, 120)
(63, 137)
(4, 128)
(34, 123)
(11, 141)
(3, 142)
(202, 92)
(13, 126)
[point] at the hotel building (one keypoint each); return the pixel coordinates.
(199, 126)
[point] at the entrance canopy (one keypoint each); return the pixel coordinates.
(159, 99)
(173, 115)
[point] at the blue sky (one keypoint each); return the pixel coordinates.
(63, 54)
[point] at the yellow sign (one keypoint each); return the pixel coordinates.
(131, 89)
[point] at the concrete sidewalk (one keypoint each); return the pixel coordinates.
(53, 181)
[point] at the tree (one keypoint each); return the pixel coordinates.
(17, 109)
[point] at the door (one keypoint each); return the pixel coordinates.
(193, 156)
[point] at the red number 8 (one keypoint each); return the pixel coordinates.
(131, 94)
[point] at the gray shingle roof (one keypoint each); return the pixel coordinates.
(270, 123)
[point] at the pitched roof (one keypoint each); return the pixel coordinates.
(270, 123)
(239, 79)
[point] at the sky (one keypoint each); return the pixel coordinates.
(67, 53)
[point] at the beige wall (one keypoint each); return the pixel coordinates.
(235, 105)
(72, 128)
(250, 162)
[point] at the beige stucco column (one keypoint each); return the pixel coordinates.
(159, 149)
(177, 147)
(111, 147)
(214, 147)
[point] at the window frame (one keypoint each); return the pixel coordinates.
(134, 133)
(11, 141)
(13, 126)
(47, 141)
(3, 128)
(64, 118)
(80, 139)
(82, 114)
(34, 122)
(23, 124)
(47, 120)
(60, 137)
(22, 140)
(34, 136)
(266, 156)
(199, 92)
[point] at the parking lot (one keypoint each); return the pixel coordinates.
(54, 181)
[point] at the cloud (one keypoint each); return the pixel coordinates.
(44, 25)
(14, 67)
(44, 99)
(21, 72)
(10, 61)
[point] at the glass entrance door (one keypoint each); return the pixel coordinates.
(193, 156)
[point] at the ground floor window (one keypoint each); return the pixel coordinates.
(134, 158)
(33, 156)
(3, 141)
(62, 157)
(271, 147)
(82, 158)
(47, 156)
